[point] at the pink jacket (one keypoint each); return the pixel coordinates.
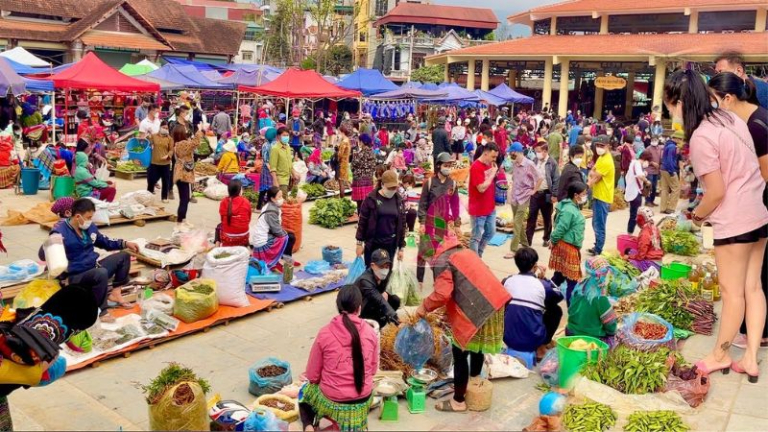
(330, 360)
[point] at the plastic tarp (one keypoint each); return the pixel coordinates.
(367, 81)
(331, 79)
(20, 55)
(35, 85)
(252, 67)
(295, 83)
(510, 96)
(490, 98)
(212, 75)
(411, 93)
(429, 86)
(164, 85)
(24, 69)
(186, 75)
(133, 70)
(252, 78)
(201, 66)
(10, 81)
(456, 94)
(411, 85)
(92, 73)
(62, 68)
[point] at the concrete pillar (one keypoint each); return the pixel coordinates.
(512, 80)
(76, 51)
(599, 93)
(546, 93)
(658, 82)
(760, 19)
(629, 97)
(446, 73)
(562, 103)
(471, 75)
(577, 80)
(553, 26)
(486, 75)
(603, 24)
(693, 22)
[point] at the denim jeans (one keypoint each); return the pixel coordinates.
(483, 229)
(634, 205)
(654, 179)
(599, 218)
(97, 279)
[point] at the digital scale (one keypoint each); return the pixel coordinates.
(265, 283)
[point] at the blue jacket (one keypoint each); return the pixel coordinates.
(80, 250)
(573, 136)
(524, 328)
(669, 158)
(761, 88)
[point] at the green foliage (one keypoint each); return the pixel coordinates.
(339, 60)
(313, 190)
(679, 243)
(490, 36)
(646, 421)
(434, 73)
(631, 371)
(332, 213)
(667, 300)
(173, 374)
(252, 196)
(621, 265)
(309, 63)
(590, 416)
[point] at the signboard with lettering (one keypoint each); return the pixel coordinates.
(610, 82)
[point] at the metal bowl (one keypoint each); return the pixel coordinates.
(386, 389)
(424, 375)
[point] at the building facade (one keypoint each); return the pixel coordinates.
(576, 42)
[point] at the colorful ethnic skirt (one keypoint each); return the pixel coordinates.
(349, 417)
(271, 251)
(489, 338)
(566, 259)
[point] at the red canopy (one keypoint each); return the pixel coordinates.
(295, 83)
(92, 73)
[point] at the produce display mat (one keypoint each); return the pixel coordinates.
(223, 315)
(8, 292)
(291, 293)
(161, 214)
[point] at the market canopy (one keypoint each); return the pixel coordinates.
(510, 96)
(491, 98)
(295, 83)
(201, 66)
(456, 94)
(38, 85)
(367, 81)
(429, 86)
(411, 84)
(411, 93)
(186, 75)
(24, 69)
(92, 73)
(10, 81)
(22, 56)
(141, 68)
(164, 85)
(252, 78)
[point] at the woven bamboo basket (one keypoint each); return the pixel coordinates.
(479, 394)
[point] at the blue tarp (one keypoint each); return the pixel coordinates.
(196, 64)
(456, 94)
(185, 75)
(34, 85)
(24, 69)
(253, 67)
(411, 85)
(251, 78)
(61, 68)
(429, 86)
(367, 81)
(491, 98)
(412, 93)
(510, 96)
(10, 81)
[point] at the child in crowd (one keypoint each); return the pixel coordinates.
(532, 316)
(590, 312)
(398, 161)
(411, 198)
(649, 251)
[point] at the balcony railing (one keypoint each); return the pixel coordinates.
(425, 41)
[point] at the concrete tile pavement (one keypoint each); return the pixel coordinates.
(107, 398)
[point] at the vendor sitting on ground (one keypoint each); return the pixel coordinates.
(269, 240)
(649, 251)
(532, 316)
(378, 304)
(318, 171)
(62, 207)
(590, 312)
(9, 164)
(343, 360)
(235, 211)
(86, 185)
(229, 164)
(85, 268)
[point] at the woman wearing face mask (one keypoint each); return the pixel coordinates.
(738, 96)
(160, 167)
(269, 240)
(86, 185)
(382, 222)
(723, 157)
(363, 167)
(635, 181)
(571, 172)
(568, 237)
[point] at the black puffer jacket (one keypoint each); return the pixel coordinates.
(366, 226)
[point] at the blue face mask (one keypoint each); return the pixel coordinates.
(284, 139)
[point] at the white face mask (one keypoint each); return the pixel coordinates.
(600, 150)
(654, 143)
(86, 224)
(577, 161)
(280, 202)
(583, 200)
(541, 156)
(646, 164)
(381, 273)
(445, 171)
(484, 142)
(388, 193)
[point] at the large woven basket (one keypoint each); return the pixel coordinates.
(479, 394)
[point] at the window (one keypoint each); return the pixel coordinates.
(397, 59)
(247, 55)
(381, 7)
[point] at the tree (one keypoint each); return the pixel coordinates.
(284, 36)
(434, 73)
(309, 63)
(333, 26)
(339, 60)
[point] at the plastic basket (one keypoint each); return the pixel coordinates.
(675, 270)
(626, 242)
(571, 360)
(144, 158)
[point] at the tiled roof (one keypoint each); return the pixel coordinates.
(63, 8)
(646, 45)
(417, 13)
(31, 30)
(122, 40)
(624, 6)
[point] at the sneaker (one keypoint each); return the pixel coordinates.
(592, 252)
(547, 243)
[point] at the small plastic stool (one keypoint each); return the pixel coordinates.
(527, 357)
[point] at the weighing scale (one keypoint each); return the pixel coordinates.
(389, 406)
(417, 393)
(265, 283)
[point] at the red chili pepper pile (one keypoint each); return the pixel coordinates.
(649, 331)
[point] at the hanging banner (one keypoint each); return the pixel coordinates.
(610, 82)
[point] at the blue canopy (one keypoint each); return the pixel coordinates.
(34, 85)
(491, 98)
(429, 86)
(186, 75)
(24, 69)
(510, 96)
(456, 94)
(367, 82)
(411, 85)
(412, 93)
(251, 78)
(10, 81)
(201, 66)
(60, 68)
(253, 67)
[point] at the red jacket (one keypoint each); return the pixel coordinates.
(645, 244)
(241, 215)
(467, 288)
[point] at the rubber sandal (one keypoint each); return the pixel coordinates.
(510, 255)
(445, 406)
(703, 368)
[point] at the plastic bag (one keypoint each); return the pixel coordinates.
(317, 267)
(403, 283)
(443, 357)
(228, 267)
(415, 344)
(332, 256)
(102, 173)
(267, 385)
(627, 336)
(619, 284)
(355, 270)
(262, 419)
(168, 415)
(693, 391)
(216, 190)
(548, 367)
(192, 305)
(81, 342)
(504, 366)
(36, 293)
(283, 402)
(55, 255)
(291, 221)
(159, 302)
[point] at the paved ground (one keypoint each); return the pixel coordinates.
(107, 398)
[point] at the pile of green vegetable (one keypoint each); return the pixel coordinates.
(631, 371)
(313, 190)
(332, 213)
(252, 196)
(129, 166)
(680, 243)
(588, 417)
(326, 154)
(622, 265)
(647, 421)
(198, 288)
(173, 374)
(668, 300)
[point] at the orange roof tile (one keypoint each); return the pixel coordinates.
(122, 40)
(417, 13)
(680, 46)
(624, 6)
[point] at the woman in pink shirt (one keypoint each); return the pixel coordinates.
(340, 369)
(723, 157)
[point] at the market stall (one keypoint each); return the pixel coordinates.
(367, 81)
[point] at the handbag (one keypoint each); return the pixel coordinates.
(188, 166)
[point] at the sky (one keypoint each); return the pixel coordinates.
(502, 8)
